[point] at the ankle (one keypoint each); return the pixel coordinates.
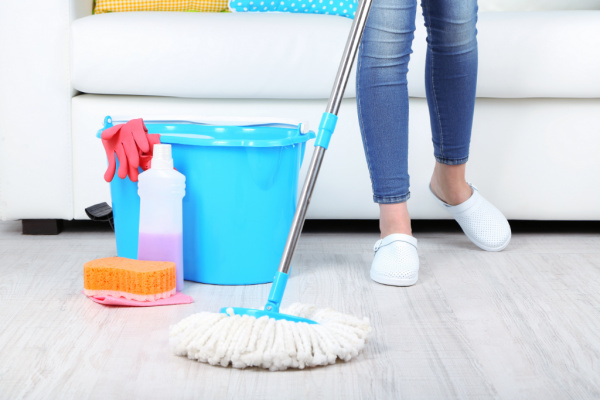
(399, 228)
(449, 184)
(394, 218)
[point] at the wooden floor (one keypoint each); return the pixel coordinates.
(520, 324)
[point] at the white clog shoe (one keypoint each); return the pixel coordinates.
(483, 223)
(396, 260)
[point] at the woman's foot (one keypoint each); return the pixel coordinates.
(483, 223)
(396, 261)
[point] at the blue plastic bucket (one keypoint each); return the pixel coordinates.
(241, 191)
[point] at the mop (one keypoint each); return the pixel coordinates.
(300, 336)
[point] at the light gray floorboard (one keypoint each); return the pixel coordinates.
(520, 324)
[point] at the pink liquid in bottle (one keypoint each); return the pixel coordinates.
(163, 247)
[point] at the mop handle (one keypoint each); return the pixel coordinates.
(325, 130)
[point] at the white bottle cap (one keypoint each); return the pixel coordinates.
(161, 157)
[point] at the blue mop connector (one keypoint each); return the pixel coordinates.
(272, 307)
(326, 128)
(277, 289)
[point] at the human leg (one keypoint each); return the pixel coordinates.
(450, 83)
(382, 96)
(382, 102)
(451, 76)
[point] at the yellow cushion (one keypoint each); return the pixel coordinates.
(104, 6)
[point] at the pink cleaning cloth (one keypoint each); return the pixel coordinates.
(178, 298)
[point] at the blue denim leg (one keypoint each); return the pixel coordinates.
(451, 75)
(382, 96)
(381, 87)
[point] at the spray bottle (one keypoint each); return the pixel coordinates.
(161, 190)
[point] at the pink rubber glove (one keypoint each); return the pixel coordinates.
(146, 158)
(129, 142)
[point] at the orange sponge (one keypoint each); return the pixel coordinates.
(132, 279)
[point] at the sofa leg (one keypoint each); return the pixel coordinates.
(42, 226)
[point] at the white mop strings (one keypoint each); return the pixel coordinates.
(244, 341)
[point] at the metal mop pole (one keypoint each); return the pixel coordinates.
(325, 130)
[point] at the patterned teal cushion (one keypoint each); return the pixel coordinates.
(344, 8)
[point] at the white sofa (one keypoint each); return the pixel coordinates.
(536, 133)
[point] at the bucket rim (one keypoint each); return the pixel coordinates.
(274, 134)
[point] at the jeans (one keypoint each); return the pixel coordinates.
(382, 94)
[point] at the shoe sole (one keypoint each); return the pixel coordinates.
(486, 248)
(386, 280)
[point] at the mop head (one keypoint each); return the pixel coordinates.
(245, 341)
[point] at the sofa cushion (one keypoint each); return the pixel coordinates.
(539, 54)
(344, 8)
(106, 6)
(220, 55)
(280, 55)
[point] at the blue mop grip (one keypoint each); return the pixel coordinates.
(277, 289)
(326, 128)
